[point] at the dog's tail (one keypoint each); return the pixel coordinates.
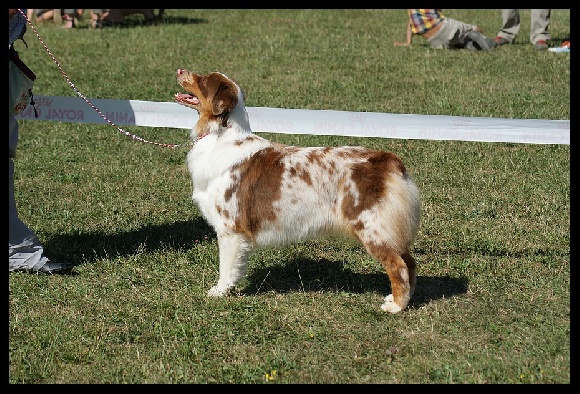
(404, 209)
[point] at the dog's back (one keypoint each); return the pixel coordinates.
(305, 192)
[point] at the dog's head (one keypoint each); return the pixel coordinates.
(218, 99)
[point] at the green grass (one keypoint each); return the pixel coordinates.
(492, 303)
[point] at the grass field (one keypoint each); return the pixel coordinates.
(492, 303)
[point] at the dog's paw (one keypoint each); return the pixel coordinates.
(217, 291)
(390, 306)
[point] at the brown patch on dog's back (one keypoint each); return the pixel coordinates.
(260, 182)
(370, 178)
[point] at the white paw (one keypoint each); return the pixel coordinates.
(217, 291)
(390, 306)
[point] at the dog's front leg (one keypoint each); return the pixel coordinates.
(234, 250)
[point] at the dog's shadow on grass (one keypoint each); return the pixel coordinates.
(96, 245)
(297, 275)
(307, 275)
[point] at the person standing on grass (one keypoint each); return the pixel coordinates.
(444, 33)
(539, 34)
(25, 251)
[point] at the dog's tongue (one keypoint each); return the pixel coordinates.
(190, 98)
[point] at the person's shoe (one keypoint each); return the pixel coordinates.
(541, 45)
(480, 42)
(53, 267)
(499, 41)
(50, 268)
(565, 47)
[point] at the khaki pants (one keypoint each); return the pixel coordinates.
(539, 23)
(451, 34)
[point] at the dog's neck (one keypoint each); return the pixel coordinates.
(239, 116)
(238, 121)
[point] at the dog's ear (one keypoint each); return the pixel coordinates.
(225, 99)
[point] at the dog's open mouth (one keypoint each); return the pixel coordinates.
(186, 99)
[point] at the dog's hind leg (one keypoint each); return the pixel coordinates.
(411, 265)
(234, 250)
(402, 274)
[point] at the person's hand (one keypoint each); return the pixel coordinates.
(401, 44)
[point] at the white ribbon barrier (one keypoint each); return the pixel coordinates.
(301, 121)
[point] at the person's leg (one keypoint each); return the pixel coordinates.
(25, 251)
(24, 248)
(539, 24)
(510, 25)
(456, 34)
(439, 39)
